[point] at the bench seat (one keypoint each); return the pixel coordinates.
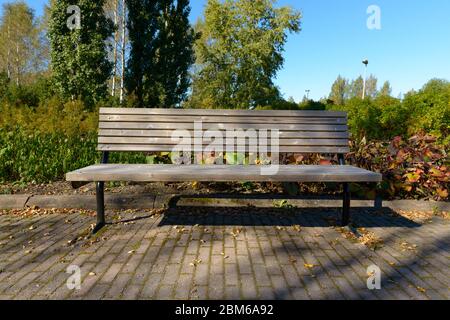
(220, 173)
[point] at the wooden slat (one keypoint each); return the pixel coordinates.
(168, 134)
(176, 173)
(170, 141)
(168, 148)
(221, 119)
(213, 112)
(223, 126)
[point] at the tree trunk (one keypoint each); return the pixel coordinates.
(123, 50)
(17, 65)
(116, 40)
(8, 55)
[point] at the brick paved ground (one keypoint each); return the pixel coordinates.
(241, 253)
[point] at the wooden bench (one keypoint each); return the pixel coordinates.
(153, 130)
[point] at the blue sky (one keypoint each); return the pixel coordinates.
(412, 46)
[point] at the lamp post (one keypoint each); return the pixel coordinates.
(365, 62)
(307, 94)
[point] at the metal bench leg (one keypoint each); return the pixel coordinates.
(346, 205)
(100, 195)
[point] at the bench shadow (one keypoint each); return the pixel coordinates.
(283, 217)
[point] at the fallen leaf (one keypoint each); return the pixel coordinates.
(420, 289)
(195, 262)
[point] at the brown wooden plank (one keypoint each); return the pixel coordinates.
(223, 126)
(175, 141)
(213, 112)
(168, 134)
(169, 148)
(176, 173)
(221, 119)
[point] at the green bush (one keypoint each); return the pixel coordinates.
(429, 110)
(43, 157)
(46, 157)
(383, 118)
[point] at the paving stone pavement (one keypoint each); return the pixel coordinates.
(223, 253)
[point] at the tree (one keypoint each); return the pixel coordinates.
(112, 12)
(162, 41)
(43, 52)
(356, 88)
(240, 52)
(385, 90)
(116, 11)
(429, 109)
(339, 91)
(174, 55)
(79, 57)
(371, 87)
(142, 28)
(19, 41)
(123, 49)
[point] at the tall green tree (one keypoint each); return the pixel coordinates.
(174, 55)
(19, 45)
(162, 40)
(371, 87)
(142, 29)
(339, 91)
(239, 53)
(356, 88)
(79, 57)
(386, 90)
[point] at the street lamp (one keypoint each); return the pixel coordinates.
(366, 63)
(307, 94)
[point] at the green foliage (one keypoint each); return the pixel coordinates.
(382, 118)
(385, 90)
(356, 87)
(20, 45)
(161, 39)
(43, 157)
(240, 52)
(142, 28)
(312, 105)
(175, 55)
(430, 109)
(52, 116)
(339, 91)
(79, 57)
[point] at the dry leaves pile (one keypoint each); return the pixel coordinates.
(36, 211)
(423, 216)
(364, 236)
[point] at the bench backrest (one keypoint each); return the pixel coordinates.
(151, 130)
